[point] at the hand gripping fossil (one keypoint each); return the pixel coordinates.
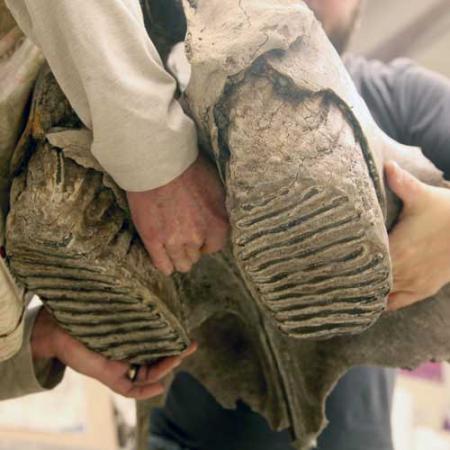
(299, 296)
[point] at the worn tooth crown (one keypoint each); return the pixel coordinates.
(317, 276)
(79, 255)
(308, 232)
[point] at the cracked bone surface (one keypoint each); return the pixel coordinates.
(303, 186)
(301, 160)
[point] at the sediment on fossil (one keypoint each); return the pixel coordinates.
(79, 254)
(303, 208)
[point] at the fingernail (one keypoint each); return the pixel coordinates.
(394, 163)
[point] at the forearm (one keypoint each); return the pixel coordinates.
(111, 73)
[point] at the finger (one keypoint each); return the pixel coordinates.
(113, 374)
(142, 375)
(145, 392)
(160, 258)
(74, 354)
(179, 257)
(162, 369)
(159, 370)
(193, 253)
(216, 241)
(407, 187)
(403, 284)
(190, 350)
(399, 300)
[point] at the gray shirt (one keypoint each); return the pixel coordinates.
(411, 104)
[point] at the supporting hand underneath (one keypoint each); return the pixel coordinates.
(183, 219)
(420, 242)
(49, 341)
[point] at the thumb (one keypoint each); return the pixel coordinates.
(407, 187)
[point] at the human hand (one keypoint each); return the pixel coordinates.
(183, 219)
(49, 341)
(420, 242)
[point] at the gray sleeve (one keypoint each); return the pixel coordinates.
(411, 104)
(422, 98)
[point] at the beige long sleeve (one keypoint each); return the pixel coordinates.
(12, 307)
(20, 375)
(113, 77)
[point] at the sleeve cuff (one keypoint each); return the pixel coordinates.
(21, 375)
(156, 166)
(10, 345)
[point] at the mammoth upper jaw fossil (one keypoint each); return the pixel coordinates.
(70, 238)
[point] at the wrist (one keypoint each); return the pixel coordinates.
(44, 337)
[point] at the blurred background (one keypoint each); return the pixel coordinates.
(417, 29)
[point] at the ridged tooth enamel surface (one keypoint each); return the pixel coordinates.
(307, 229)
(79, 256)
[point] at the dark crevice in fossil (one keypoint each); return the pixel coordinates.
(319, 279)
(334, 227)
(30, 272)
(312, 252)
(375, 283)
(80, 285)
(61, 297)
(150, 355)
(141, 341)
(296, 200)
(280, 273)
(112, 317)
(97, 307)
(304, 302)
(85, 294)
(296, 315)
(290, 226)
(310, 330)
(150, 333)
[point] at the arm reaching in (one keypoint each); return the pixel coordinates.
(420, 242)
(49, 341)
(183, 219)
(112, 75)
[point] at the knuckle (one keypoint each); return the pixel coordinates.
(162, 267)
(149, 234)
(173, 241)
(223, 231)
(184, 267)
(196, 240)
(213, 247)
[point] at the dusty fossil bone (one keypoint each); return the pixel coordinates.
(70, 239)
(301, 159)
(80, 253)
